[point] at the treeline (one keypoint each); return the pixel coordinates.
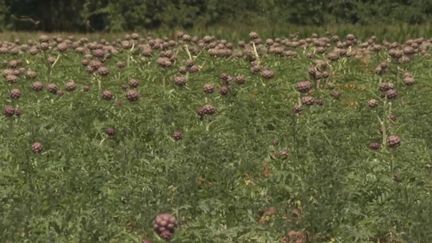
(120, 15)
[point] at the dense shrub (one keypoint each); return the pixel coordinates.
(115, 15)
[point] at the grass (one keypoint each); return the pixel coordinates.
(227, 170)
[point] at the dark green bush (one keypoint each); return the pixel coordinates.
(110, 15)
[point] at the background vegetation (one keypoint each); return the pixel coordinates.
(122, 15)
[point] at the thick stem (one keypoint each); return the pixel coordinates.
(188, 52)
(256, 53)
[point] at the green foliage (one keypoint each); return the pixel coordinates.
(87, 187)
(110, 15)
